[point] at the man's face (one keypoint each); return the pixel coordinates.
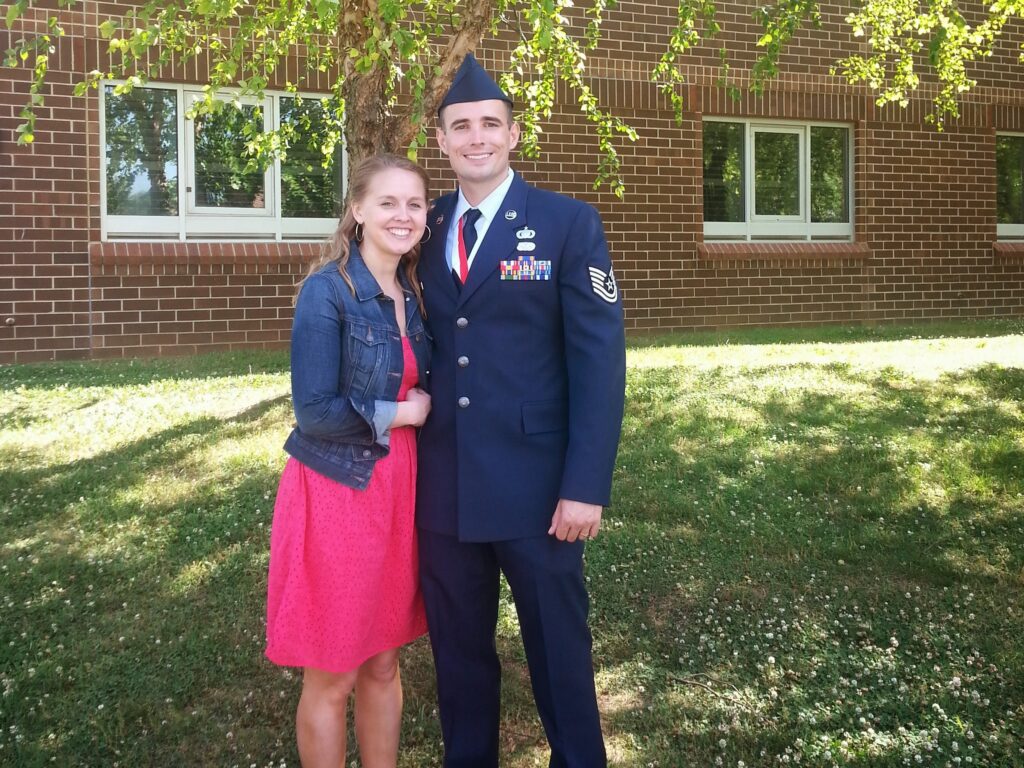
(478, 136)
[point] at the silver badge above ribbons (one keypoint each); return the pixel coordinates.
(525, 234)
(526, 245)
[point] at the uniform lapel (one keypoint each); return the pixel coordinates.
(500, 239)
(434, 266)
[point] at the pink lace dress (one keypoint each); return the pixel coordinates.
(343, 583)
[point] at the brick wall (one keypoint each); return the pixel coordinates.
(182, 298)
(924, 204)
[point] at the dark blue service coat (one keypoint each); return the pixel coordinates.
(528, 374)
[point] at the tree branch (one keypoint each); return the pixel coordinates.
(475, 21)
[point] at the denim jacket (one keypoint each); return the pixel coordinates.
(346, 363)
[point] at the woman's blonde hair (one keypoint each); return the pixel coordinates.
(337, 248)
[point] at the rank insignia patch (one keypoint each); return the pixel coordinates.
(604, 285)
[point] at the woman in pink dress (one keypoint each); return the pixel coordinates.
(343, 593)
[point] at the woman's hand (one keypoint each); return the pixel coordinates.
(414, 410)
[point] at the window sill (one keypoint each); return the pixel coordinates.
(177, 252)
(1011, 250)
(783, 251)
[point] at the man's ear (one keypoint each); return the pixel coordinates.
(514, 131)
(441, 139)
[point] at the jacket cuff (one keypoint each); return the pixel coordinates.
(383, 414)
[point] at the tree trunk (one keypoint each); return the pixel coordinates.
(363, 91)
(474, 22)
(369, 127)
(365, 133)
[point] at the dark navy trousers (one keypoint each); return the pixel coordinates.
(460, 584)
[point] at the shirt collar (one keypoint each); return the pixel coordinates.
(489, 205)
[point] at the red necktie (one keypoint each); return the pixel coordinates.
(467, 239)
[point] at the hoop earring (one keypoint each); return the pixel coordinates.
(429, 233)
(358, 234)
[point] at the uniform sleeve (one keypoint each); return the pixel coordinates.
(595, 349)
(316, 355)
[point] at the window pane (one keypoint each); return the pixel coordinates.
(723, 171)
(142, 152)
(776, 174)
(308, 189)
(225, 175)
(1010, 179)
(830, 164)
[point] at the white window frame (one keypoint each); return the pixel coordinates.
(1009, 231)
(207, 215)
(205, 223)
(156, 227)
(802, 183)
(761, 228)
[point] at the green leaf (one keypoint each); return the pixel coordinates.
(16, 10)
(25, 133)
(325, 9)
(108, 28)
(935, 46)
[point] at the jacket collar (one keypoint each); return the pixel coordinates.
(500, 239)
(363, 280)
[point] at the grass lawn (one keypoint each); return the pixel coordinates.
(814, 557)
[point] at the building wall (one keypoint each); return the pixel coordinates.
(924, 248)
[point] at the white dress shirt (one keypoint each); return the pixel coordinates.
(488, 210)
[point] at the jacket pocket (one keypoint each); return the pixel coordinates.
(366, 357)
(544, 416)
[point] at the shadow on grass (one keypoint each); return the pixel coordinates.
(832, 334)
(779, 563)
(762, 555)
(113, 373)
(145, 577)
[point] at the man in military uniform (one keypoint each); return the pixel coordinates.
(516, 459)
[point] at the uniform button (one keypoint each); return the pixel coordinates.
(366, 453)
(463, 402)
(462, 322)
(463, 361)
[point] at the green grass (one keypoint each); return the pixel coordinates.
(814, 557)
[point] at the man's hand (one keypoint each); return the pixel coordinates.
(575, 520)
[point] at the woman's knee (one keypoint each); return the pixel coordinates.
(381, 669)
(327, 687)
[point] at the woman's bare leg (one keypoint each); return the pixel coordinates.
(320, 720)
(379, 710)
